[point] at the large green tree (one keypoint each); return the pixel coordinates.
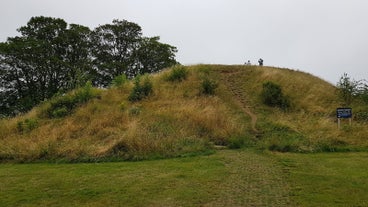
(113, 46)
(47, 58)
(51, 56)
(153, 56)
(119, 48)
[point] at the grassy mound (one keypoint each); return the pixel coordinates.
(178, 118)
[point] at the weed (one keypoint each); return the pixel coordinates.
(208, 86)
(122, 106)
(205, 69)
(272, 96)
(177, 73)
(238, 142)
(27, 125)
(63, 105)
(119, 81)
(281, 138)
(361, 115)
(141, 91)
(135, 110)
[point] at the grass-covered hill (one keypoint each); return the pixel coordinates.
(182, 116)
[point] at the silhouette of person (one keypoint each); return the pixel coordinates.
(260, 61)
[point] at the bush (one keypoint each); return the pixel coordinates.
(208, 86)
(63, 105)
(361, 115)
(272, 96)
(27, 125)
(135, 111)
(119, 81)
(60, 112)
(347, 89)
(178, 73)
(141, 91)
(238, 142)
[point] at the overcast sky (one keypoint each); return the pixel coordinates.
(322, 37)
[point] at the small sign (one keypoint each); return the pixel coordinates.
(344, 113)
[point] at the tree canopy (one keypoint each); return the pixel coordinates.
(51, 56)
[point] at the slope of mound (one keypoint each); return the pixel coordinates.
(310, 124)
(178, 119)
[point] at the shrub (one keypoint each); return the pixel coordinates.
(361, 116)
(135, 111)
(237, 142)
(60, 112)
(272, 96)
(119, 81)
(84, 94)
(147, 86)
(347, 89)
(208, 86)
(283, 146)
(63, 105)
(141, 91)
(27, 125)
(178, 73)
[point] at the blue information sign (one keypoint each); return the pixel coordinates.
(344, 113)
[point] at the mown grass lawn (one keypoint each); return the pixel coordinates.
(175, 182)
(327, 179)
(227, 178)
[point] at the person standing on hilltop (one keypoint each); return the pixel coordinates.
(260, 61)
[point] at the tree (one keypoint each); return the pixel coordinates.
(45, 59)
(22, 80)
(152, 56)
(119, 48)
(78, 57)
(114, 46)
(347, 89)
(363, 91)
(51, 56)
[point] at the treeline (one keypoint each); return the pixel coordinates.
(51, 56)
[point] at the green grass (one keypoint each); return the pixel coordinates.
(177, 121)
(151, 183)
(227, 178)
(328, 179)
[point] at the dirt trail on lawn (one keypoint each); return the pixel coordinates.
(254, 180)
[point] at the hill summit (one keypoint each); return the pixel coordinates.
(188, 111)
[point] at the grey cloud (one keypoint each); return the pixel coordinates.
(325, 38)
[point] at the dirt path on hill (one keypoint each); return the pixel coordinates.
(230, 80)
(253, 180)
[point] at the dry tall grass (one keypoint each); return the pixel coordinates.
(176, 120)
(312, 115)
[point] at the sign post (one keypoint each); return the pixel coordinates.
(343, 113)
